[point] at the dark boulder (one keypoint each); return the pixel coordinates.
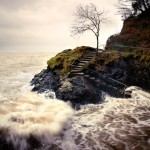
(117, 70)
(78, 90)
(45, 80)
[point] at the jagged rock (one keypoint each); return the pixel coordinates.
(77, 90)
(43, 81)
(117, 70)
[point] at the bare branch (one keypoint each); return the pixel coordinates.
(129, 8)
(88, 18)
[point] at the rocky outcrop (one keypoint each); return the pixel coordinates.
(135, 33)
(77, 90)
(117, 70)
(45, 80)
(109, 71)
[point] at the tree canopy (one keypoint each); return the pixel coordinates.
(132, 7)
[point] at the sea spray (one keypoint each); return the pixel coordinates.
(122, 124)
(31, 119)
(118, 123)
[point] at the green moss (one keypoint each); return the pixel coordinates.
(145, 58)
(109, 58)
(103, 59)
(135, 59)
(140, 55)
(62, 61)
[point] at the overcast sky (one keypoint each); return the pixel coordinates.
(44, 25)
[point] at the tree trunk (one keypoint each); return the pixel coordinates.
(97, 40)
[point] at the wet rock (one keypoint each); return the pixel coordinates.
(31, 143)
(117, 70)
(77, 90)
(66, 50)
(43, 81)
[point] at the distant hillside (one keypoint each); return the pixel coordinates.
(135, 32)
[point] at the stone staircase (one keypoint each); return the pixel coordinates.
(106, 83)
(99, 80)
(77, 69)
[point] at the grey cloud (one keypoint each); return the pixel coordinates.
(16, 4)
(26, 24)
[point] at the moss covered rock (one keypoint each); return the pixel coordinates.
(62, 61)
(131, 68)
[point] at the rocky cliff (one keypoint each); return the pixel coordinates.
(129, 66)
(135, 33)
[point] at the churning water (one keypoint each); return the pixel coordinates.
(28, 119)
(26, 116)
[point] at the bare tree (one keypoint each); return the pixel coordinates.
(88, 18)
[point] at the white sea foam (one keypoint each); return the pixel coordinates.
(32, 114)
(23, 114)
(122, 124)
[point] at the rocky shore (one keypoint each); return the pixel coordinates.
(109, 72)
(77, 90)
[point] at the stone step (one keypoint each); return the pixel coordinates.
(75, 71)
(115, 88)
(78, 67)
(103, 83)
(81, 64)
(90, 56)
(97, 81)
(86, 76)
(84, 61)
(77, 74)
(87, 58)
(92, 52)
(92, 78)
(110, 86)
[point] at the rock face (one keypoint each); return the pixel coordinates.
(45, 80)
(77, 90)
(117, 70)
(135, 32)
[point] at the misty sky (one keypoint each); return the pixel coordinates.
(44, 25)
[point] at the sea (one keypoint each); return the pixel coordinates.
(29, 120)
